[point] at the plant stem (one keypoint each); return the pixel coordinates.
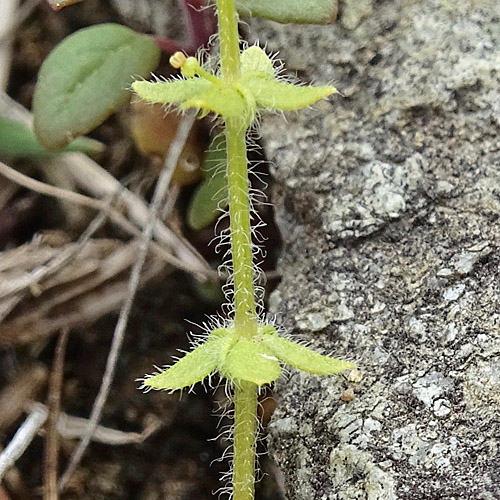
(245, 429)
(229, 40)
(245, 316)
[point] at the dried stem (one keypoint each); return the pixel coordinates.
(54, 403)
(22, 438)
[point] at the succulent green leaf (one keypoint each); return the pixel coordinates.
(173, 92)
(86, 78)
(224, 101)
(291, 11)
(255, 61)
(192, 368)
(252, 361)
(271, 94)
(211, 196)
(18, 140)
(303, 358)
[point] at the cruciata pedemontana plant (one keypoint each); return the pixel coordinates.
(247, 351)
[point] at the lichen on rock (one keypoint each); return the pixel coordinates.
(389, 199)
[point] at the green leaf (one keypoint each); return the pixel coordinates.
(252, 361)
(195, 365)
(18, 140)
(224, 101)
(303, 358)
(270, 94)
(173, 92)
(189, 370)
(211, 196)
(255, 61)
(291, 11)
(86, 78)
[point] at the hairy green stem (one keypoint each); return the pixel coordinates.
(245, 430)
(245, 315)
(229, 40)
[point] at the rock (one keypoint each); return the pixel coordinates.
(353, 12)
(454, 292)
(388, 199)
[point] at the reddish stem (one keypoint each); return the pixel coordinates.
(200, 23)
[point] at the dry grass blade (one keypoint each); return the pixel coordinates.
(91, 285)
(7, 14)
(14, 110)
(118, 335)
(16, 485)
(113, 213)
(12, 23)
(22, 438)
(90, 176)
(22, 389)
(30, 281)
(51, 441)
(74, 427)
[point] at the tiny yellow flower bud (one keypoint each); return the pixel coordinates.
(190, 67)
(177, 60)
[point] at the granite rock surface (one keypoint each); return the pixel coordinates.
(388, 198)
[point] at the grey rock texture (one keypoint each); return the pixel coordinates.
(388, 198)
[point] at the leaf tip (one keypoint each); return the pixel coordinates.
(331, 90)
(140, 86)
(349, 365)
